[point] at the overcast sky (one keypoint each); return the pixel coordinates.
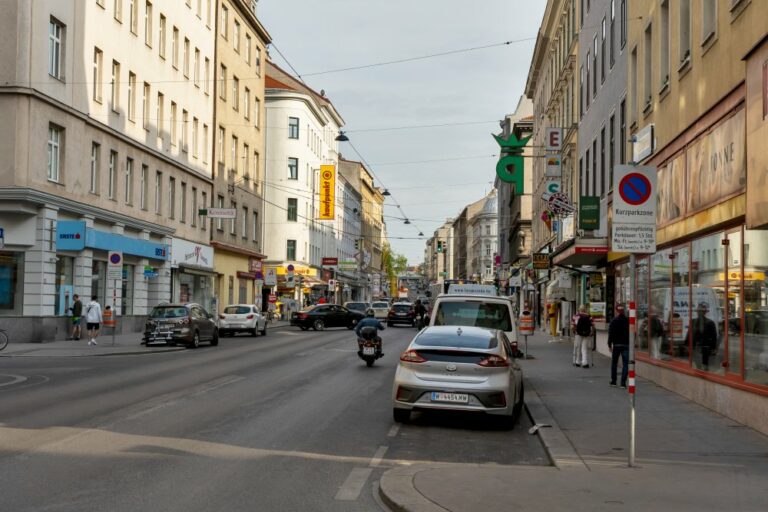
(473, 87)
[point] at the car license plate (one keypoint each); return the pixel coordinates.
(368, 351)
(456, 398)
(400, 314)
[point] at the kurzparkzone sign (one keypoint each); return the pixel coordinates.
(634, 209)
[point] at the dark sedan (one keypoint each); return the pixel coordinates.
(186, 324)
(325, 315)
(401, 313)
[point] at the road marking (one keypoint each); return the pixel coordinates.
(376, 460)
(287, 333)
(354, 483)
(394, 430)
(16, 379)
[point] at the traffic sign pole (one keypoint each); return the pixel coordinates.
(632, 337)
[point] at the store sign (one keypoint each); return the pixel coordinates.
(511, 166)
(634, 209)
(327, 192)
(554, 139)
(347, 265)
(554, 167)
(254, 265)
(589, 212)
(735, 275)
(596, 279)
(559, 204)
(184, 252)
(330, 262)
(270, 276)
(541, 261)
(644, 144)
(70, 235)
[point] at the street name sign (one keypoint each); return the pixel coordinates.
(218, 213)
(634, 209)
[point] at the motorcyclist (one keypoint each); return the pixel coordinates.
(371, 321)
(420, 311)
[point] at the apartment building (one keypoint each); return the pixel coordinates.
(105, 134)
(238, 151)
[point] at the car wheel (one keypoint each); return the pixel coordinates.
(215, 339)
(319, 325)
(195, 340)
(254, 331)
(264, 330)
(401, 415)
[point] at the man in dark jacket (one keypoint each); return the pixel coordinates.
(703, 332)
(618, 342)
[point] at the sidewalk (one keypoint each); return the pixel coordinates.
(687, 457)
(124, 344)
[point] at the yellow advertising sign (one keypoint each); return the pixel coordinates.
(736, 276)
(327, 192)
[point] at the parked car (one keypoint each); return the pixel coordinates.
(402, 313)
(321, 316)
(477, 310)
(362, 307)
(188, 324)
(242, 318)
(380, 309)
(459, 368)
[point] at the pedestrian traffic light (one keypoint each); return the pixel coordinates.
(439, 246)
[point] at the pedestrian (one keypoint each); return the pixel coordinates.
(703, 332)
(93, 319)
(583, 327)
(653, 330)
(77, 312)
(618, 342)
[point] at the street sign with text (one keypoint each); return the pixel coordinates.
(634, 209)
(218, 213)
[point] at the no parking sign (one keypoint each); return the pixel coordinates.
(634, 209)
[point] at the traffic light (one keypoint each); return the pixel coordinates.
(357, 244)
(439, 246)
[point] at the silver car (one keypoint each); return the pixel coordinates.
(380, 309)
(458, 368)
(242, 318)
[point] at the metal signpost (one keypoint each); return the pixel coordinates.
(633, 231)
(115, 273)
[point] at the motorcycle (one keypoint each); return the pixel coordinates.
(368, 345)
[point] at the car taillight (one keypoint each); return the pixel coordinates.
(411, 356)
(302, 316)
(250, 317)
(391, 312)
(222, 317)
(494, 362)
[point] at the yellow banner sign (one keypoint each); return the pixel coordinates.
(327, 192)
(736, 276)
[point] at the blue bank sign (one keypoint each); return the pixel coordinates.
(74, 236)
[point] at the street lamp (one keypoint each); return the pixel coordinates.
(342, 137)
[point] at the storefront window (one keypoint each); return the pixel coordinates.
(242, 291)
(11, 282)
(127, 292)
(99, 281)
(65, 278)
(196, 288)
(734, 310)
(706, 323)
(755, 307)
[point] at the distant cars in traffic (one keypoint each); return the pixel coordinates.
(362, 307)
(320, 316)
(188, 324)
(459, 368)
(401, 313)
(380, 309)
(237, 318)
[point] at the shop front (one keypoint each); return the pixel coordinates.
(193, 275)
(237, 278)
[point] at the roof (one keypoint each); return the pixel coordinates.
(278, 78)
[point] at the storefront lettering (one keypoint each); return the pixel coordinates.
(69, 236)
(197, 255)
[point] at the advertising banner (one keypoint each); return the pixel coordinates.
(327, 192)
(589, 212)
(671, 198)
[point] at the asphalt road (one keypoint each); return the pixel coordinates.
(290, 422)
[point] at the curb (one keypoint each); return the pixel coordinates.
(397, 491)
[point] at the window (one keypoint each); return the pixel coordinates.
(128, 181)
(115, 94)
(611, 150)
(648, 67)
(581, 88)
(255, 231)
(224, 22)
(160, 114)
(633, 84)
(623, 133)
(204, 202)
(293, 209)
(765, 89)
(196, 70)
(236, 36)
(184, 130)
(623, 14)
(183, 217)
(256, 111)
(612, 38)
(119, 10)
(235, 93)
(290, 250)
(293, 128)
(244, 224)
(143, 186)
(256, 167)
(148, 24)
(247, 49)
(158, 191)
(602, 161)
(594, 66)
(56, 49)
(205, 143)
(685, 31)
(133, 16)
(246, 161)
(594, 167)
(582, 190)
(175, 48)
(185, 69)
(193, 217)
(174, 122)
(161, 37)
(664, 49)
(233, 205)
(131, 96)
(293, 168)
(223, 82)
(98, 76)
(194, 137)
(220, 145)
(586, 89)
(602, 53)
(199, 10)
(55, 135)
(258, 60)
(247, 103)
(708, 20)
(95, 158)
(111, 178)
(208, 13)
(171, 198)
(207, 76)
(233, 154)
(219, 223)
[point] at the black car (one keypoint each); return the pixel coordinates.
(186, 324)
(401, 313)
(326, 315)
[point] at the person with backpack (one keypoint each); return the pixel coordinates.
(583, 328)
(93, 319)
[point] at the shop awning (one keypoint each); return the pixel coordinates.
(583, 252)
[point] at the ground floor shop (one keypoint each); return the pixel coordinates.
(239, 276)
(193, 275)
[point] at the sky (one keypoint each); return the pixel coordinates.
(478, 87)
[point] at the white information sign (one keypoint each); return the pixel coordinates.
(221, 213)
(634, 209)
(553, 166)
(554, 139)
(270, 276)
(115, 265)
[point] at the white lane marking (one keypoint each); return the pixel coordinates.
(376, 460)
(394, 430)
(286, 333)
(16, 379)
(354, 483)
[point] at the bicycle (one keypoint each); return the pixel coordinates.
(3, 339)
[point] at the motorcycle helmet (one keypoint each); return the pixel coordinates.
(369, 313)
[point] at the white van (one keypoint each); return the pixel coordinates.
(477, 310)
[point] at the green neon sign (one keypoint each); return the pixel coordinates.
(511, 167)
